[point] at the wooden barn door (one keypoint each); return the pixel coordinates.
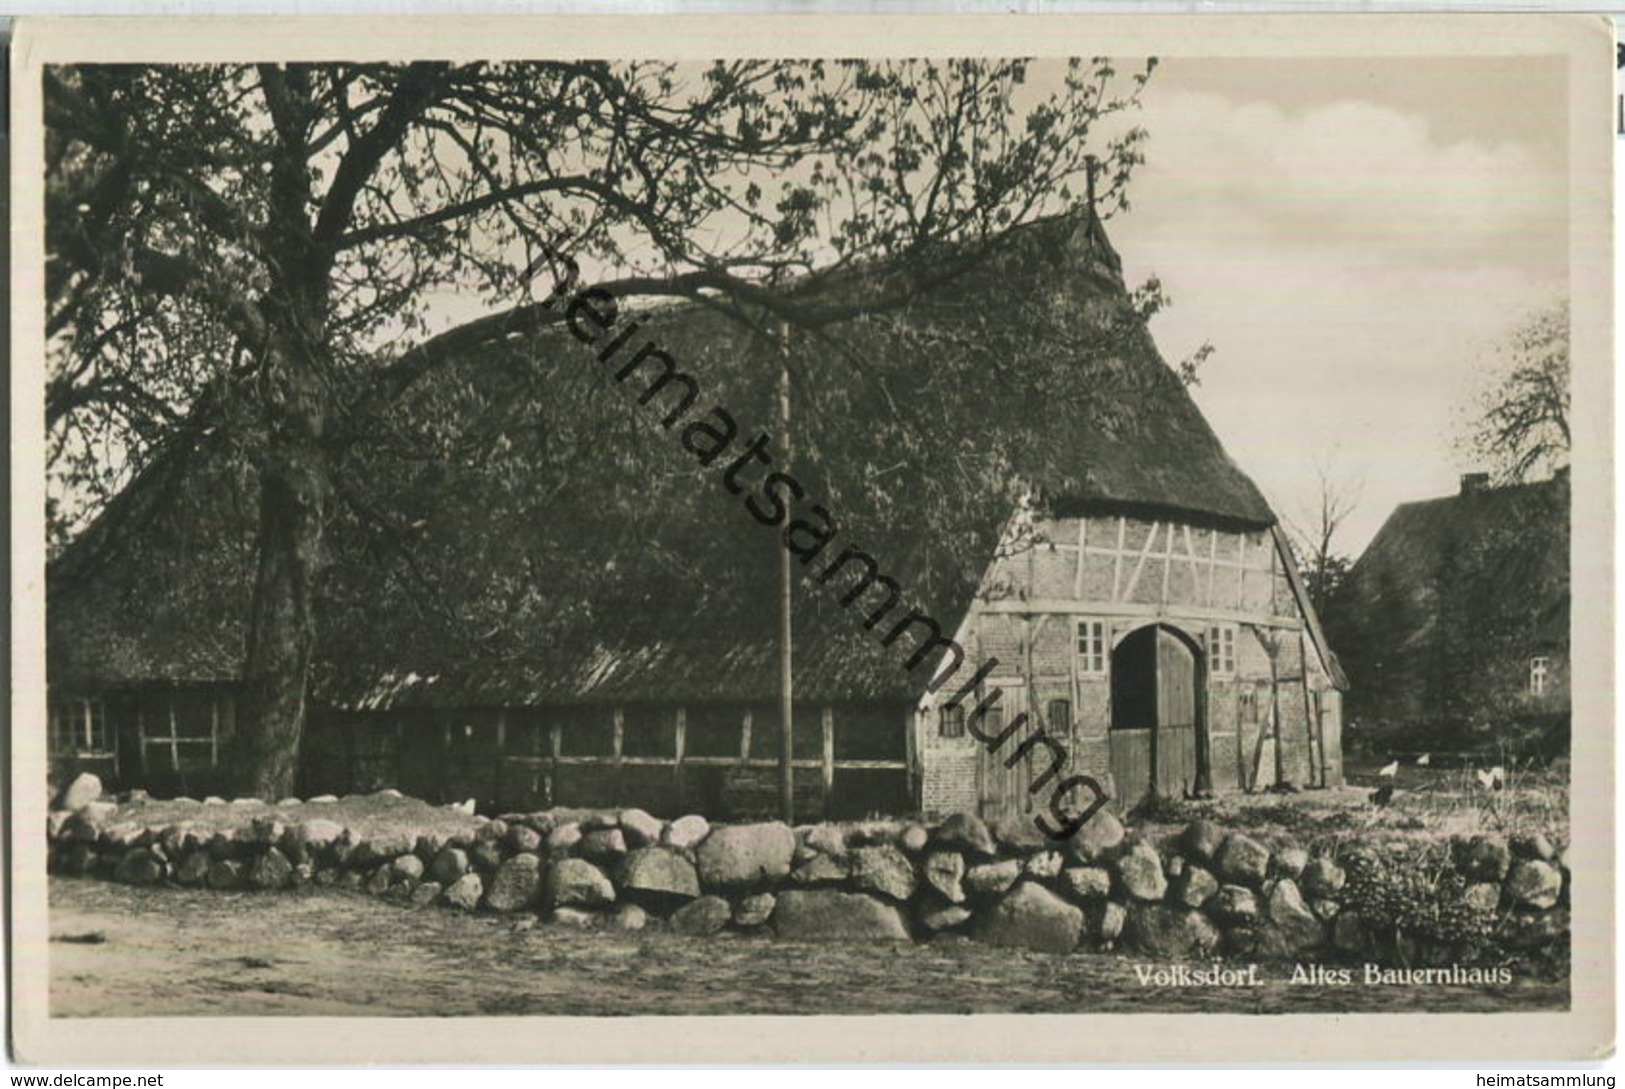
(1175, 746)
(1156, 712)
(1003, 790)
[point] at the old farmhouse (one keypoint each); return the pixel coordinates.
(536, 596)
(1454, 623)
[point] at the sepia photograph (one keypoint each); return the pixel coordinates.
(635, 519)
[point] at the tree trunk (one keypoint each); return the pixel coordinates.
(294, 487)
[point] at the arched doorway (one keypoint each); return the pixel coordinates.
(1157, 738)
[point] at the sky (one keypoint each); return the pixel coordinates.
(1354, 238)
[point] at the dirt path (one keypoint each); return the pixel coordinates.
(176, 952)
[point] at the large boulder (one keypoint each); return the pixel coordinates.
(1242, 860)
(563, 838)
(1108, 918)
(741, 856)
(465, 892)
(821, 870)
(1485, 857)
(1087, 883)
(966, 832)
(406, 868)
(830, 915)
(1235, 905)
(604, 846)
(944, 870)
(1139, 871)
(1167, 930)
(1201, 839)
(515, 884)
(1098, 838)
(83, 789)
(658, 878)
(384, 846)
(703, 916)
(271, 870)
(1323, 878)
(1294, 925)
(575, 882)
(1534, 884)
(1194, 887)
(829, 839)
(685, 833)
(885, 870)
(992, 878)
(449, 865)
(425, 893)
(1289, 860)
(753, 911)
(522, 837)
(1032, 917)
(639, 828)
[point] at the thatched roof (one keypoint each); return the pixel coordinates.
(518, 530)
(1452, 597)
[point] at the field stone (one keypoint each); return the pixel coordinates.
(55, 821)
(580, 918)
(352, 880)
(1100, 835)
(1534, 884)
(885, 870)
(658, 878)
(914, 839)
(407, 868)
(1234, 904)
(1043, 865)
(1297, 926)
(1140, 871)
(829, 839)
(701, 917)
(323, 799)
(140, 867)
(1201, 839)
(83, 789)
(991, 878)
(1535, 846)
(685, 833)
(1167, 930)
(465, 892)
(628, 917)
(193, 870)
(966, 832)
(1325, 909)
(449, 865)
(383, 846)
(739, 856)
(515, 884)
(426, 893)
(1032, 917)
(379, 882)
(522, 837)
(821, 870)
(937, 916)
(1088, 882)
(1195, 887)
(214, 799)
(832, 915)
(640, 829)
(79, 858)
(485, 856)
(491, 831)
(944, 870)
(1483, 896)
(1289, 861)
(1242, 860)
(1323, 878)
(270, 871)
(575, 882)
(1485, 857)
(563, 838)
(1174, 866)
(754, 910)
(1020, 835)
(603, 846)
(225, 873)
(1109, 919)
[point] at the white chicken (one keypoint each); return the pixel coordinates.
(1493, 779)
(1389, 770)
(1422, 761)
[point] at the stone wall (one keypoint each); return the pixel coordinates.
(1179, 893)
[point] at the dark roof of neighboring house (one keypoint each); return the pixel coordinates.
(621, 570)
(1455, 575)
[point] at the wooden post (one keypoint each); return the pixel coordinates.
(787, 791)
(555, 746)
(827, 718)
(214, 731)
(502, 757)
(1317, 756)
(681, 743)
(174, 739)
(141, 733)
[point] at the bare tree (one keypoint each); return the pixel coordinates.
(1522, 424)
(1322, 566)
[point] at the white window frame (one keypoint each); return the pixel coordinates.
(1220, 640)
(1540, 675)
(1092, 650)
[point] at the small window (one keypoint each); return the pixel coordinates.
(1060, 716)
(1540, 672)
(79, 726)
(951, 722)
(1091, 646)
(1221, 649)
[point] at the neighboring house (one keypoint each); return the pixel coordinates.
(535, 597)
(1454, 624)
